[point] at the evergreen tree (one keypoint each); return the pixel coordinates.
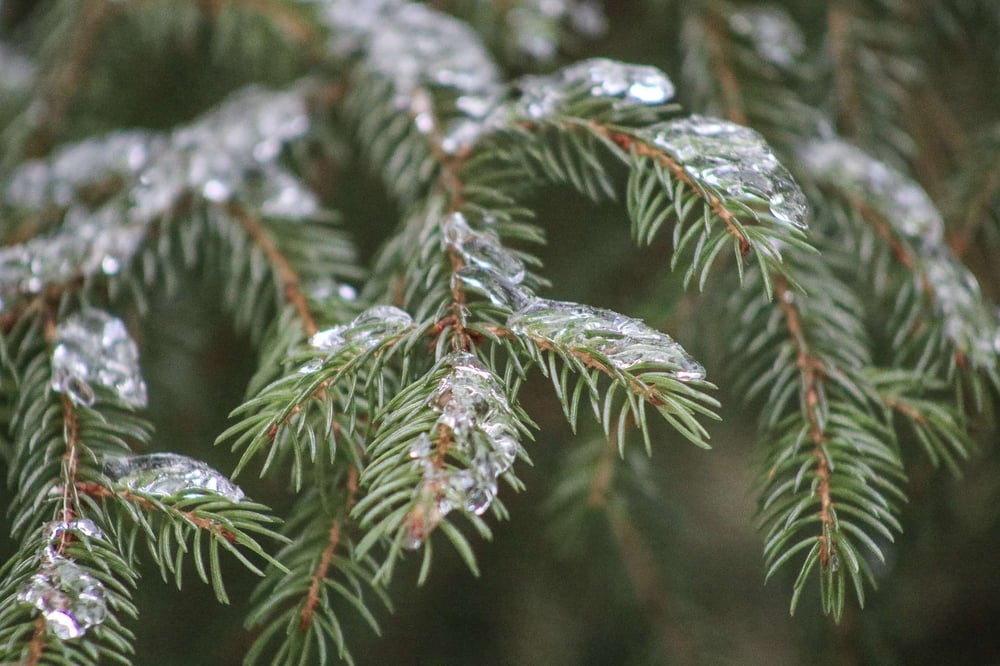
(331, 233)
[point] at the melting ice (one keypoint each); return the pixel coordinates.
(630, 85)
(480, 249)
(475, 410)
(92, 347)
(735, 160)
(897, 199)
(368, 330)
(70, 599)
(626, 342)
(163, 474)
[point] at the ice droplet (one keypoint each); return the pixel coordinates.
(311, 367)
(771, 31)
(54, 530)
(92, 347)
(499, 290)
(734, 160)
(480, 249)
(367, 331)
(163, 474)
(70, 599)
(896, 198)
(626, 342)
(627, 84)
(467, 396)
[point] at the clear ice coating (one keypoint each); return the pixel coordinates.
(735, 160)
(480, 249)
(474, 410)
(70, 599)
(232, 151)
(771, 31)
(367, 331)
(502, 292)
(624, 341)
(163, 474)
(907, 208)
(629, 85)
(896, 198)
(92, 347)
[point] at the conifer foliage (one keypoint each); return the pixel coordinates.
(389, 398)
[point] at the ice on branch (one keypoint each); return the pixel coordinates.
(624, 84)
(70, 599)
(92, 347)
(478, 429)
(164, 474)
(900, 201)
(627, 343)
(735, 160)
(771, 32)
(893, 199)
(368, 330)
(481, 249)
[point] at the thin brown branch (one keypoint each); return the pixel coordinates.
(811, 376)
(286, 274)
(905, 409)
(326, 558)
(36, 647)
(97, 490)
(597, 497)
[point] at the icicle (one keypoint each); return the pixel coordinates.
(626, 342)
(735, 160)
(772, 32)
(92, 347)
(897, 199)
(480, 249)
(476, 413)
(467, 396)
(628, 85)
(70, 599)
(367, 331)
(163, 474)
(502, 292)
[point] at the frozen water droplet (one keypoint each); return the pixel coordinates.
(347, 292)
(163, 474)
(896, 198)
(217, 191)
(499, 290)
(734, 160)
(626, 342)
(627, 84)
(311, 367)
(772, 32)
(480, 249)
(84, 526)
(92, 347)
(70, 599)
(368, 330)
(467, 396)
(110, 265)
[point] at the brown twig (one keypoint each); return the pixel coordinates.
(838, 20)
(326, 558)
(811, 375)
(97, 490)
(287, 276)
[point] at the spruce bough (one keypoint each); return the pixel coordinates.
(391, 399)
